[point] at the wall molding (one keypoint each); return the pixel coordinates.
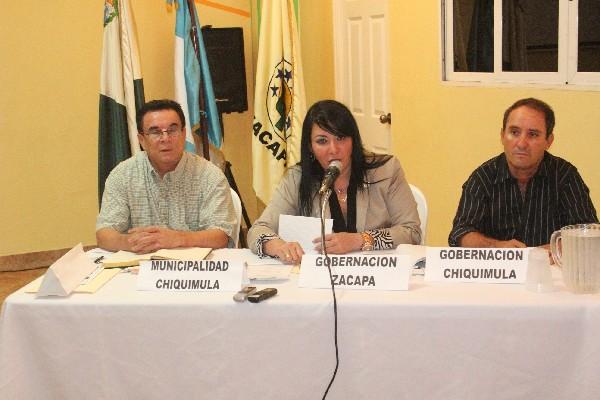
(38, 259)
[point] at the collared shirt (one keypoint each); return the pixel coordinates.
(193, 197)
(492, 203)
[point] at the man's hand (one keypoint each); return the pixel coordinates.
(148, 239)
(509, 243)
(152, 238)
(288, 252)
(476, 239)
(340, 243)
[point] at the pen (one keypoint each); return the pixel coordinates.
(97, 260)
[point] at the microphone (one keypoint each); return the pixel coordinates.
(331, 173)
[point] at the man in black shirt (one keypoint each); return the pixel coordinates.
(520, 197)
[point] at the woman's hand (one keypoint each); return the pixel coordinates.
(340, 243)
(288, 252)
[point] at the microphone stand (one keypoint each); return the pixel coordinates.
(324, 199)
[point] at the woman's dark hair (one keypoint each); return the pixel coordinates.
(335, 118)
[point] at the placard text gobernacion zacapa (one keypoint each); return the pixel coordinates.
(356, 271)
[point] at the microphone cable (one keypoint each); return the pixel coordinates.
(324, 199)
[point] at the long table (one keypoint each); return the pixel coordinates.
(435, 341)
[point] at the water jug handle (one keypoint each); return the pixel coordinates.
(554, 247)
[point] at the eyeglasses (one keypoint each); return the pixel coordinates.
(156, 133)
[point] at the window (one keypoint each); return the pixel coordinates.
(527, 41)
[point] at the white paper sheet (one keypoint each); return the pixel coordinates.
(66, 273)
(269, 272)
(302, 230)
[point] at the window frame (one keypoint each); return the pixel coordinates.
(566, 76)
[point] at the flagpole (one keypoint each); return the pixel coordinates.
(201, 99)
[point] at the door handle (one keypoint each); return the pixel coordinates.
(385, 118)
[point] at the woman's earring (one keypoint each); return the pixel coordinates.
(311, 156)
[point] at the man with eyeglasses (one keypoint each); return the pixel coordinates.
(520, 197)
(164, 197)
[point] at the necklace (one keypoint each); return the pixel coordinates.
(342, 195)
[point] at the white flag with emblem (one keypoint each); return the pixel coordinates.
(279, 103)
(121, 89)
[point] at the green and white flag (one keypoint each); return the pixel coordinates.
(279, 102)
(121, 89)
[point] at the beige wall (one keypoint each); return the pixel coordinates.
(316, 35)
(49, 111)
(50, 74)
(48, 122)
(442, 132)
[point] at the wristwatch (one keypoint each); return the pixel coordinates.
(367, 241)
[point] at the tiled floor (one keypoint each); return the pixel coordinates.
(11, 281)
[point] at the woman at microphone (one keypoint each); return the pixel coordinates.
(372, 205)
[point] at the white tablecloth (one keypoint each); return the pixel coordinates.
(435, 341)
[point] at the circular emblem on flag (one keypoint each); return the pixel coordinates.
(279, 98)
(111, 8)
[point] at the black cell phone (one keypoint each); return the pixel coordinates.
(262, 295)
(243, 294)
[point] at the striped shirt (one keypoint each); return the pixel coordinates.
(492, 204)
(193, 197)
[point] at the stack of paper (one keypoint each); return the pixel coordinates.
(264, 269)
(128, 259)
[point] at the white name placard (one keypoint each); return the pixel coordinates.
(194, 275)
(489, 265)
(356, 271)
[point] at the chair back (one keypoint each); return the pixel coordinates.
(421, 209)
(237, 207)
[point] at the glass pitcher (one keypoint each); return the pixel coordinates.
(576, 249)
